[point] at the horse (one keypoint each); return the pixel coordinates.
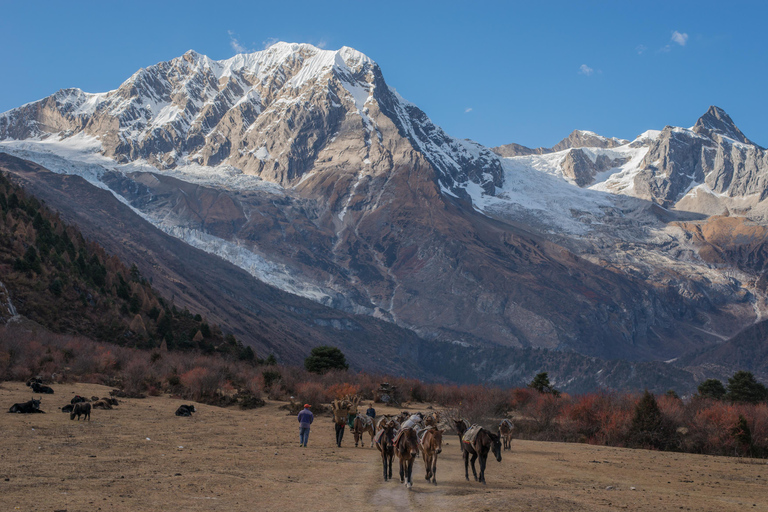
(431, 446)
(505, 432)
(384, 443)
(406, 449)
(359, 426)
(484, 442)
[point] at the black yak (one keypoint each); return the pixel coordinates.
(39, 388)
(83, 408)
(185, 410)
(27, 407)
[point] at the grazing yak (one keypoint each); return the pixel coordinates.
(81, 408)
(39, 388)
(27, 407)
(185, 410)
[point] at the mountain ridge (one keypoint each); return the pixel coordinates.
(355, 197)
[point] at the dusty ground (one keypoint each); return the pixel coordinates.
(140, 457)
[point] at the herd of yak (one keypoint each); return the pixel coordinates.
(408, 435)
(78, 406)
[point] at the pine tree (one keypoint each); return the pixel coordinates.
(743, 387)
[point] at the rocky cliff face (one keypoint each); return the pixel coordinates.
(712, 159)
(576, 139)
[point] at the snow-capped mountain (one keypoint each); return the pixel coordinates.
(278, 114)
(305, 168)
(710, 168)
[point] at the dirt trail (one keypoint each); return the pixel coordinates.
(140, 457)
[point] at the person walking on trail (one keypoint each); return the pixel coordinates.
(371, 412)
(305, 420)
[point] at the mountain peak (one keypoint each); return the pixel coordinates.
(585, 138)
(716, 120)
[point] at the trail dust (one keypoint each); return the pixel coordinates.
(140, 457)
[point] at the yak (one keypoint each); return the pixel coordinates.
(37, 379)
(27, 407)
(68, 408)
(101, 404)
(185, 410)
(81, 408)
(39, 388)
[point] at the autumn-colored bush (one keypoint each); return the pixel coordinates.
(343, 389)
(201, 382)
(313, 393)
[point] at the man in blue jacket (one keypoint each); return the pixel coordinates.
(305, 420)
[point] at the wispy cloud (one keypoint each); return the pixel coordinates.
(269, 42)
(322, 44)
(640, 49)
(235, 44)
(585, 70)
(468, 110)
(679, 38)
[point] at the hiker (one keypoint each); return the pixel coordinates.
(305, 418)
(371, 412)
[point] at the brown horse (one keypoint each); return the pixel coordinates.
(505, 432)
(361, 425)
(431, 446)
(383, 440)
(484, 442)
(407, 449)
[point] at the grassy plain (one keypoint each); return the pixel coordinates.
(141, 457)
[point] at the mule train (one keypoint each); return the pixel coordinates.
(407, 435)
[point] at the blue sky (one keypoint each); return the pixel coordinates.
(495, 72)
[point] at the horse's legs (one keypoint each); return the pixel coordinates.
(402, 470)
(390, 456)
(409, 483)
(427, 464)
(465, 453)
(472, 461)
(434, 469)
(483, 460)
(384, 463)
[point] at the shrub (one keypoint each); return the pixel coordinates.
(313, 393)
(271, 377)
(344, 389)
(200, 382)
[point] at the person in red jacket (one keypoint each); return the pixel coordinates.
(305, 420)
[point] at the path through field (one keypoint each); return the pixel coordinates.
(140, 457)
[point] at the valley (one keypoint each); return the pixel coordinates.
(140, 456)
